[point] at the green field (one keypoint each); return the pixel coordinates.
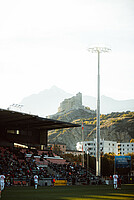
(91, 192)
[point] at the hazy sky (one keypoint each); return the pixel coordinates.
(44, 43)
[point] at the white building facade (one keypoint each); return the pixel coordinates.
(105, 147)
(125, 148)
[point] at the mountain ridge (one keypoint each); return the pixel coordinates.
(46, 102)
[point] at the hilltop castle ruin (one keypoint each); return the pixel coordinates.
(74, 102)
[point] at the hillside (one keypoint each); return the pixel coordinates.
(115, 126)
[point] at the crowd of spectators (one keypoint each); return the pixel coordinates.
(70, 172)
(20, 165)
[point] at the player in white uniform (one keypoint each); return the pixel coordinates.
(2, 177)
(36, 181)
(115, 180)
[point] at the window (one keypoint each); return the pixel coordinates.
(11, 131)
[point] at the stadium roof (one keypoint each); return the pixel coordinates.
(17, 120)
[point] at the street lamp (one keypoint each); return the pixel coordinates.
(98, 50)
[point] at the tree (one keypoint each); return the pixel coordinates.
(132, 140)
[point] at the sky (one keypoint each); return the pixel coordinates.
(45, 43)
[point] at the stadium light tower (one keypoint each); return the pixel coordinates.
(98, 50)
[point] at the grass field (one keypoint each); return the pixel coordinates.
(91, 192)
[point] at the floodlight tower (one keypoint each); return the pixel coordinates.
(98, 50)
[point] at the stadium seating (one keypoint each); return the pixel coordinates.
(20, 165)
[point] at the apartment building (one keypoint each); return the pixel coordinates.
(105, 147)
(61, 146)
(125, 148)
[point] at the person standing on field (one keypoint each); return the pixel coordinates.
(36, 181)
(115, 180)
(2, 177)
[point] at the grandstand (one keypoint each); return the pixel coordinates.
(18, 163)
(25, 129)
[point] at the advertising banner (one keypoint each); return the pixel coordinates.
(123, 161)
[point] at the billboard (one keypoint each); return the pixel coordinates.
(123, 161)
